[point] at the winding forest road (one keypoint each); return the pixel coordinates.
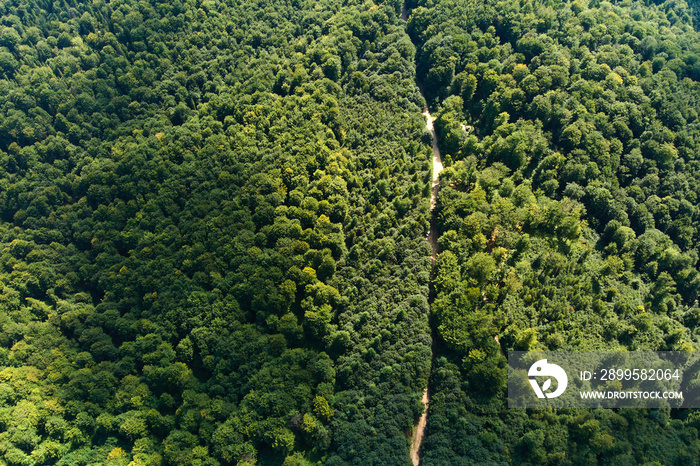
(432, 239)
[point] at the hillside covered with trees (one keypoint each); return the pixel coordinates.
(568, 216)
(212, 233)
(213, 218)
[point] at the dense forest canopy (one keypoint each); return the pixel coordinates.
(212, 233)
(213, 218)
(568, 215)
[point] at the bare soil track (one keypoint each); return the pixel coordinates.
(419, 430)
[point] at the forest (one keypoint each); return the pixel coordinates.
(213, 217)
(568, 216)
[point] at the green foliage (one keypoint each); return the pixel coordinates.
(567, 220)
(212, 236)
(213, 218)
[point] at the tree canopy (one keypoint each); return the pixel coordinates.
(568, 216)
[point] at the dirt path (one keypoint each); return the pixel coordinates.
(404, 13)
(419, 431)
(437, 161)
(437, 168)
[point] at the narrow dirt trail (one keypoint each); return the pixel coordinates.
(419, 431)
(437, 168)
(432, 238)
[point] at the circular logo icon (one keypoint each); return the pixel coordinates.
(542, 369)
